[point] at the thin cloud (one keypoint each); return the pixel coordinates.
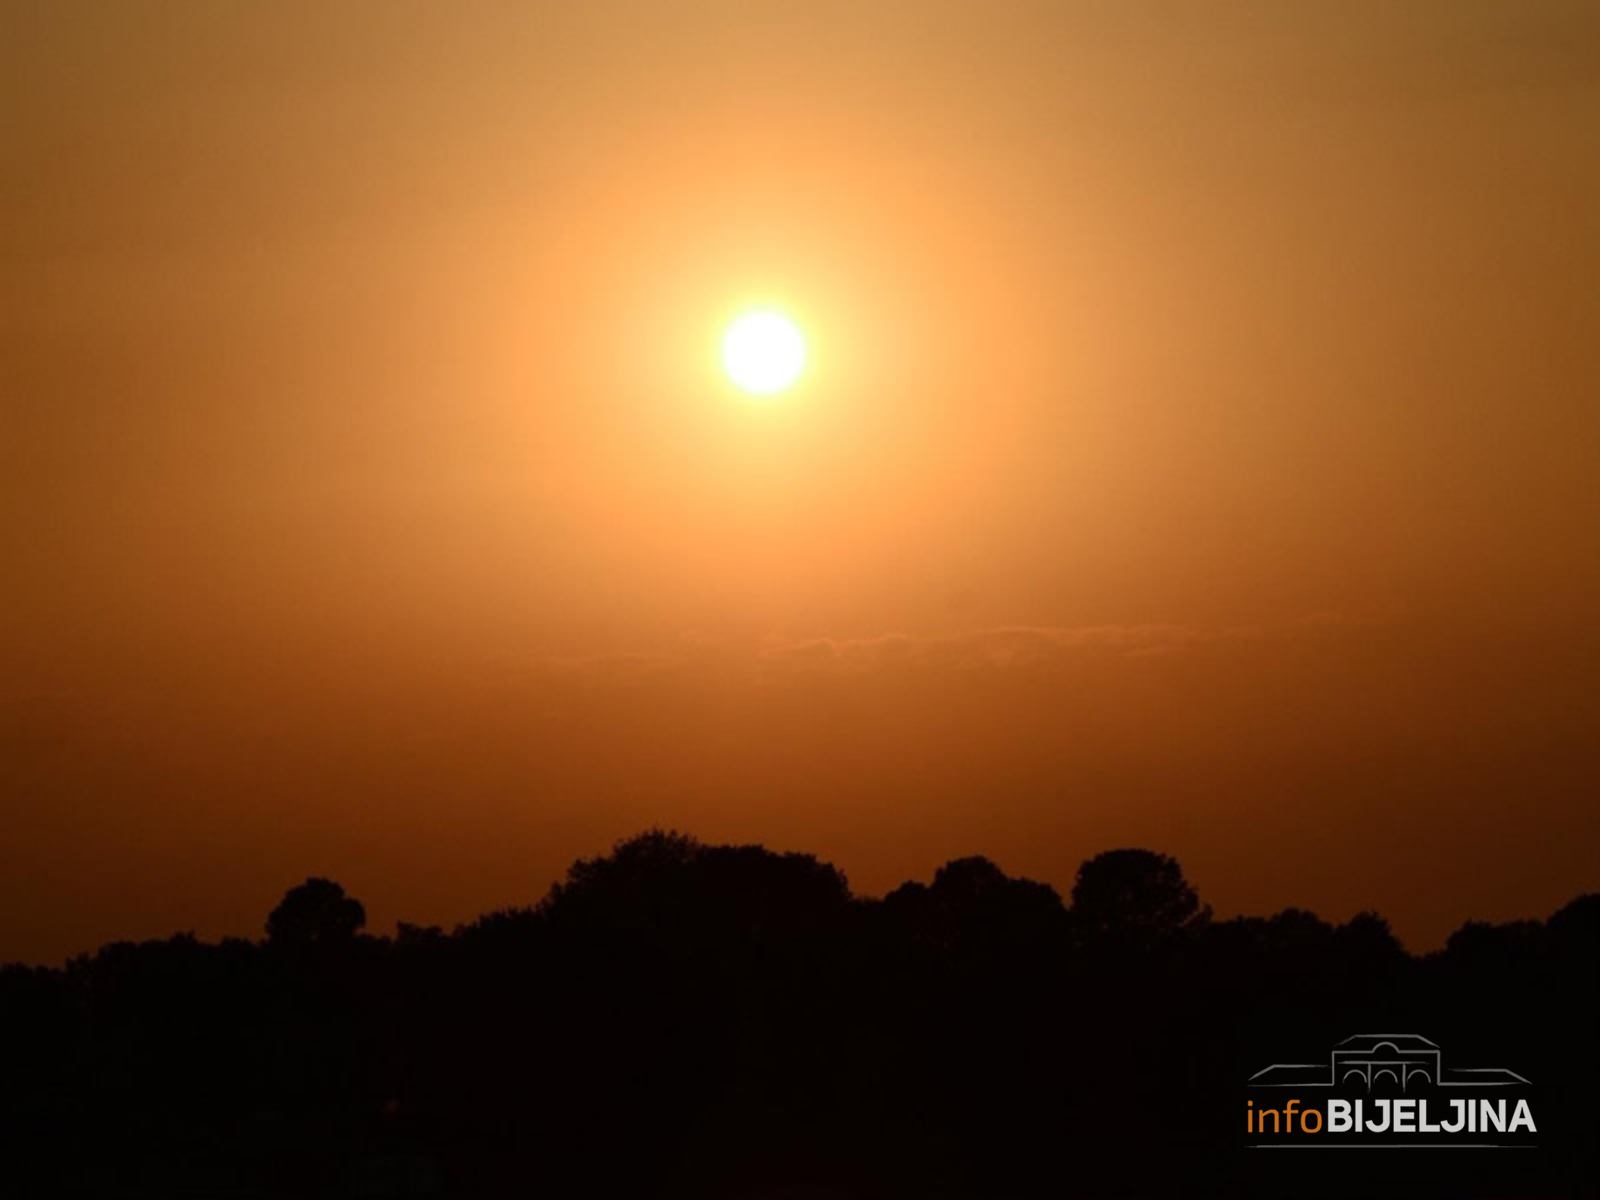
(1000, 648)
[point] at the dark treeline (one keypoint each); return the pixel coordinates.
(680, 1019)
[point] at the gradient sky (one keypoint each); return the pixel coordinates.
(1200, 449)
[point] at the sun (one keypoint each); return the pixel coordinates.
(763, 352)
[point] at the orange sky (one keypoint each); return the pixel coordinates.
(1200, 449)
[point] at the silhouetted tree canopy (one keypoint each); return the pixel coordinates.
(670, 884)
(973, 911)
(703, 1021)
(317, 912)
(1134, 893)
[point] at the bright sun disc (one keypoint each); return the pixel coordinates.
(763, 352)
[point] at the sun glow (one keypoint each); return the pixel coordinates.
(763, 352)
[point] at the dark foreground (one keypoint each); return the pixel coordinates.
(683, 1020)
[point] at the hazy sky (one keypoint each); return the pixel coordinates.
(1200, 449)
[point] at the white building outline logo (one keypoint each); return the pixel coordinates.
(1400, 1061)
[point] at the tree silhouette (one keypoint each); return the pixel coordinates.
(974, 911)
(668, 886)
(317, 912)
(739, 1024)
(1134, 894)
